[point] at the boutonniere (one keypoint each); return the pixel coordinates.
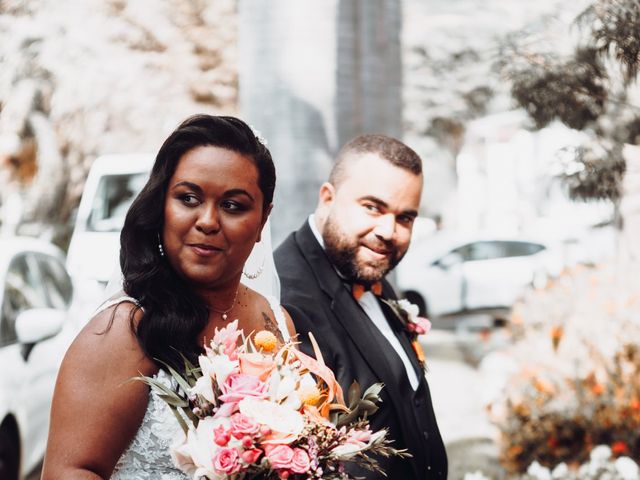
(413, 323)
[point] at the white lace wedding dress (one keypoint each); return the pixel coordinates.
(147, 457)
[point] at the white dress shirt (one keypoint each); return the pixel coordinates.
(371, 307)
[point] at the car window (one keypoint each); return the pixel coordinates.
(521, 249)
(56, 282)
(22, 291)
(113, 198)
(484, 250)
(464, 252)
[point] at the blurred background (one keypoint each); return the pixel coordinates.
(527, 118)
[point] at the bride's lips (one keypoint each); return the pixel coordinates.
(204, 250)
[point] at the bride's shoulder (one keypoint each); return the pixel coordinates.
(111, 332)
(271, 306)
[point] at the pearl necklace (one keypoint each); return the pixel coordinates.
(224, 313)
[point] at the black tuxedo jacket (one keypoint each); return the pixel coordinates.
(319, 302)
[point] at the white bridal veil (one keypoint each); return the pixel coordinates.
(261, 258)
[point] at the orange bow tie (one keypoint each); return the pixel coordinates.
(358, 289)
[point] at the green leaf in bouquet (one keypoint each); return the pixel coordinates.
(177, 377)
(353, 395)
(174, 401)
(368, 407)
(180, 420)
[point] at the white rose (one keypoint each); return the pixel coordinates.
(181, 455)
(279, 418)
(560, 471)
(200, 448)
(539, 472)
(600, 454)
(409, 307)
(627, 468)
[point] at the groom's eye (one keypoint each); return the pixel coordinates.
(371, 207)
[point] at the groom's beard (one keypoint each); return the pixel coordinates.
(343, 254)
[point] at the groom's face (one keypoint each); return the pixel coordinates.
(368, 217)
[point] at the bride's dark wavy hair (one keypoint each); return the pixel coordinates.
(172, 315)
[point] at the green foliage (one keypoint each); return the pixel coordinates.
(581, 92)
(615, 30)
(573, 91)
(600, 176)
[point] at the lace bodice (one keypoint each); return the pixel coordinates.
(148, 457)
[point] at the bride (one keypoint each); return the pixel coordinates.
(184, 244)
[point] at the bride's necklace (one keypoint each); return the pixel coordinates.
(224, 313)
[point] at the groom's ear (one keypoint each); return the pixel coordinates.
(265, 217)
(326, 195)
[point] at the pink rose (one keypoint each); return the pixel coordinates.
(280, 456)
(226, 461)
(300, 462)
(238, 386)
(422, 325)
(228, 338)
(256, 364)
(252, 455)
(242, 425)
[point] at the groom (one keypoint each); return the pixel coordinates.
(331, 270)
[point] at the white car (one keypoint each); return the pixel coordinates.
(445, 274)
(112, 184)
(35, 294)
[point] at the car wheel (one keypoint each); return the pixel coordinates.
(9, 454)
(416, 299)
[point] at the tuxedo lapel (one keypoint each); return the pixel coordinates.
(347, 311)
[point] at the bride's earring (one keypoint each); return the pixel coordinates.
(258, 272)
(160, 249)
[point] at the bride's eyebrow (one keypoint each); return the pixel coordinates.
(190, 185)
(238, 191)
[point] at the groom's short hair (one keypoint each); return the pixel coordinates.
(387, 148)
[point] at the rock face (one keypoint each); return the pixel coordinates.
(79, 79)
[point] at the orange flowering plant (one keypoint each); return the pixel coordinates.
(577, 358)
(253, 410)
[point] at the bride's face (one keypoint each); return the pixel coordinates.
(213, 215)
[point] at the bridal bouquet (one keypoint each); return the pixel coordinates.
(254, 411)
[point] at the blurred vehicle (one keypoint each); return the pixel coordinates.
(112, 184)
(35, 295)
(446, 274)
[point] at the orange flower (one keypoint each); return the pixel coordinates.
(597, 388)
(556, 335)
(543, 386)
(619, 448)
(256, 364)
(265, 340)
(635, 404)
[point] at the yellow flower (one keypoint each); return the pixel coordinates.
(265, 340)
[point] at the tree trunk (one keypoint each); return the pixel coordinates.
(312, 75)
